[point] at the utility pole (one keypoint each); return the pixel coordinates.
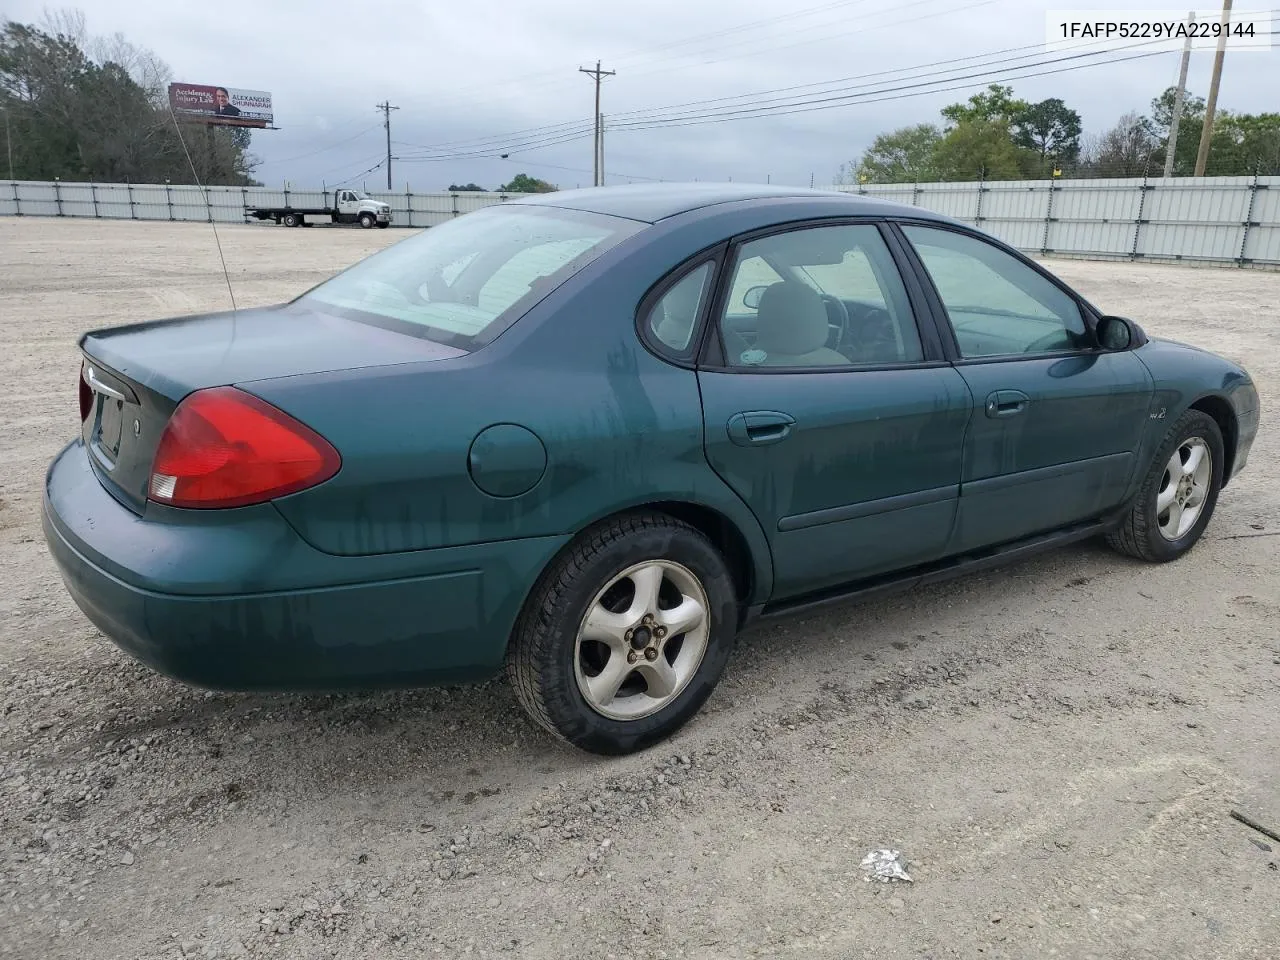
(598, 75)
(1206, 134)
(1179, 97)
(386, 109)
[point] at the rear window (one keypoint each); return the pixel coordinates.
(465, 281)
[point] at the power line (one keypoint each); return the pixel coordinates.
(717, 37)
(865, 98)
(529, 134)
(772, 46)
(498, 152)
(552, 129)
(642, 51)
(557, 166)
(916, 72)
(689, 115)
(362, 173)
(326, 149)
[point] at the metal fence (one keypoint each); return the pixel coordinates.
(1221, 220)
(138, 201)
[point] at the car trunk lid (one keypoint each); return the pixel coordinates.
(137, 375)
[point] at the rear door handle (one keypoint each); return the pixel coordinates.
(1006, 403)
(759, 427)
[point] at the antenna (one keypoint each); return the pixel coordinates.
(208, 206)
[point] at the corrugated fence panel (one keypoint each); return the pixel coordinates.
(76, 200)
(1098, 200)
(1023, 234)
(1209, 203)
(1263, 245)
(38, 199)
(151, 202)
(949, 199)
(1189, 241)
(1075, 236)
(1015, 212)
(1210, 219)
(113, 200)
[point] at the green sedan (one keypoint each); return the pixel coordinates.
(587, 437)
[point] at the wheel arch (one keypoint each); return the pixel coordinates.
(748, 557)
(1220, 409)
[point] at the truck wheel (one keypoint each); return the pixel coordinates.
(367, 221)
(292, 220)
(383, 226)
(626, 635)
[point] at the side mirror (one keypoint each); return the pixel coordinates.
(751, 299)
(1115, 333)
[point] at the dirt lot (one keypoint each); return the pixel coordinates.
(1055, 746)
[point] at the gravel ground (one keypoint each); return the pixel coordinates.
(1055, 746)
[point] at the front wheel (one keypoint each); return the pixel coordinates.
(1178, 495)
(367, 221)
(626, 635)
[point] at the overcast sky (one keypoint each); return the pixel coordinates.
(462, 71)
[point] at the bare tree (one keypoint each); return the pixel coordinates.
(1123, 151)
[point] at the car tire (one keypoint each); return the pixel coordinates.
(562, 670)
(1157, 528)
(367, 221)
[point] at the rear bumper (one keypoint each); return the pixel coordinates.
(236, 600)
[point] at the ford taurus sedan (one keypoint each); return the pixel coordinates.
(589, 436)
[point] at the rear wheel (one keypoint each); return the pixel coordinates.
(367, 221)
(626, 635)
(1178, 495)
(292, 219)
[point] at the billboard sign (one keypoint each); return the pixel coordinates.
(229, 106)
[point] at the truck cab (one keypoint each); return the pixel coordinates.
(352, 206)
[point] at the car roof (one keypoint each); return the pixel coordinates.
(651, 202)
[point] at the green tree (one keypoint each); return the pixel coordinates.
(466, 187)
(1050, 130)
(81, 115)
(979, 149)
(901, 156)
(523, 183)
(1243, 144)
(996, 104)
(1190, 127)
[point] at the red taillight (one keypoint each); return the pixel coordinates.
(86, 397)
(226, 448)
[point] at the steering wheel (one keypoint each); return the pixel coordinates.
(878, 341)
(842, 326)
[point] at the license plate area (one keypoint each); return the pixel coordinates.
(108, 426)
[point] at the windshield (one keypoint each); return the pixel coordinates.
(465, 281)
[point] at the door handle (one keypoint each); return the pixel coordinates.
(759, 427)
(1006, 403)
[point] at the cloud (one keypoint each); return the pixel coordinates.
(459, 74)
